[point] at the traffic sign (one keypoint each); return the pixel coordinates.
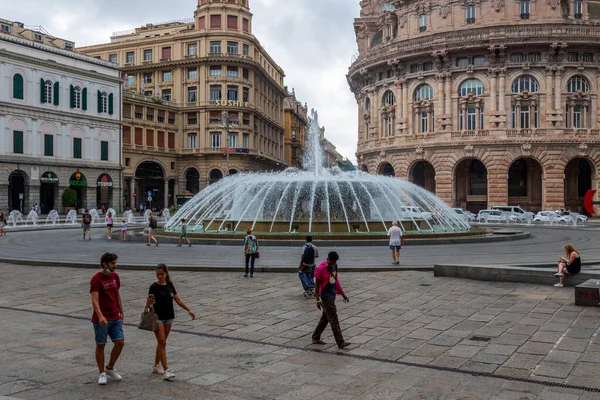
(149, 198)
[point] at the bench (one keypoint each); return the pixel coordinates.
(499, 273)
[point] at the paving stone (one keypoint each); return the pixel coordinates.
(429, 350)
(500, 349)
(523, 361)
(562, 356)
(536, 348)
(486, 358)
(552, 369)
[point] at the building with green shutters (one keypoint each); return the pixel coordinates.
(60, 123)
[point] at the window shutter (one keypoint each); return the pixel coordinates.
(104, 150)
(56, 89)
(42, 91)
(110, 104)
(84, 99)
(18, 142)
(76, 147)
(99, 102)
(48, 145)
(72, 96)
(18, 86)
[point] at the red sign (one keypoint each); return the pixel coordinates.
(588, 202)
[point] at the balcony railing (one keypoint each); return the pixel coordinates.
(472, 133)
(470, 20)
(524, 15)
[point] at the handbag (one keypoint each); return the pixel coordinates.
(149, 320)
(257, 254)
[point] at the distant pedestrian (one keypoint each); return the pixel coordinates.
(103, 209)
(183, 234)
(2, 224)
(327, 285)
(86, 222)
(250, 251)
(152, 225)
(36, 208)
(570, 265)
(109, 225)
(395, 234)
(108, 316)
(160, 296)
(123, 229)
(306, 269)
(141, 210)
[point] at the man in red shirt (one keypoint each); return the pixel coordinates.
(108, 316)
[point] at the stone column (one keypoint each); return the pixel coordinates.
(493, 85)
(549, 102)
(502, 92)
(405, 102)
(557, 90)
(166, 193)
(464, 117)
(477, 117)
(439, 107)
(132, 190)
(584, 117)
(448, 105)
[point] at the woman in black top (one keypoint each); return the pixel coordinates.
(570, 265)
(161, 295)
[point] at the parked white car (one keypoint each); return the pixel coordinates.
(466, 215)
(549, 216)
(415, 212)
(491, 216)
(516, 213)
(570, 215)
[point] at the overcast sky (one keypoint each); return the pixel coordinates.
(312, 40)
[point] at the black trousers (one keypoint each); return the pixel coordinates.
(330, 317)
(250, 259)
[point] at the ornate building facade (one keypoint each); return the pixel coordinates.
(296, 126)
(60, 123)
(484, 102)
(197, 91)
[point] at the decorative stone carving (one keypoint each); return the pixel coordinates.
(469, 149)
(382, 154)
(582, 149)
(401, 21)
(553, 3)
(526, 149)
(525, 96)
(445, 10)
(419, 150)
(497, 4)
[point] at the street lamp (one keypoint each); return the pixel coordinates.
(227, 121)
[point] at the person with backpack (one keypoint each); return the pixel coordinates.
(86, 222)
(152, 225)
(306, 269)
(250, 251)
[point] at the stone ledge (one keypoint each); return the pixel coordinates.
(493, 273)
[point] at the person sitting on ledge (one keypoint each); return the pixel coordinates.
(570, 265)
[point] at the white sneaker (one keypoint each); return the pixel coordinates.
(102, 379)
(113, 374)
(158, 369)
(168, 375)
(558, 274)
(558, 285)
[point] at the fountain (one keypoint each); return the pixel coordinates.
(112, 212)
(316, 200)
(95, 215)
(14, 217)
(166, 214)
(52, 216)
(128, 216)
(71, 217)
(33, 217)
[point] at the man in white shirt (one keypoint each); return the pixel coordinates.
(395, 234)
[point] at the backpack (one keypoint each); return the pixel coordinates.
(87, 219)
(309, 255)
(153, 223)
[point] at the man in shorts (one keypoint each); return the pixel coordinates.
(86, 223)
(108, 316)
(395, 234)
(183, 234)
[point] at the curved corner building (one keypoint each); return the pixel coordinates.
(484, 102)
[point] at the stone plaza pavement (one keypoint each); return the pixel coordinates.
(413, 335)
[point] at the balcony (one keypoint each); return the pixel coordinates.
(524, 15)
(470, 21)
(578, 16)
(422, 28)
(192, 121)
(472, 133)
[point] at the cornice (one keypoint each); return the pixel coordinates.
(59, 67)
(37, 161)
(48, 114)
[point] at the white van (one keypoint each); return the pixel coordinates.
(515, 211)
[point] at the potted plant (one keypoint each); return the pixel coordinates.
(69, 199)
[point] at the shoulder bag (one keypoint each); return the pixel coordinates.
(149, 320)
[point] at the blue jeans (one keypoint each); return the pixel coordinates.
(114, 329)
(307, 280)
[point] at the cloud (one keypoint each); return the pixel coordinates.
(312, 40)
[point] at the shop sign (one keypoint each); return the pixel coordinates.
(235, 150)
(78, 179)
(105, 181)
(232, 103)
(49, 177)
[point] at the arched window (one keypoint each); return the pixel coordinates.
(423, 108)
(388, 98)
(423, 92)
(470, 105)
(471, 86)
(525, 113)
(577, 84)
(18, 87)
(367, 104)
(525, 83)
(48, 91)
(578, 103)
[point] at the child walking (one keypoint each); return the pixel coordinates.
(183, 234)
(123, 229)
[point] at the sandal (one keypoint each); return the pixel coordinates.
(345, 344)
(318, 341)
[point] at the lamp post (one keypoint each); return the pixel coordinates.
(227, 121)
